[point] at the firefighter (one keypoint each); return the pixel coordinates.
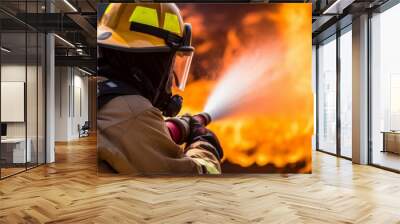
(145, 49)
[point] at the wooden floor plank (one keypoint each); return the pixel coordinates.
(69, 191)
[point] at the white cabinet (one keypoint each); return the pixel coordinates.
(16, 149)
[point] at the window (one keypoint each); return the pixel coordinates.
(22, 78)
(327, 96)
(385, 89)
(346, 93)
(14, 151)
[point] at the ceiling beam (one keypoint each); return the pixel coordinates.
(337, 7)
(78, 61)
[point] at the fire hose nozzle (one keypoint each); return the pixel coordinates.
(204, 118)
(179, 127)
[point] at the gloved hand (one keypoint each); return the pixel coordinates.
(200, 133)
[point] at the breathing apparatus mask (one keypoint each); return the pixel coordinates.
(177, 77)
(179, 65)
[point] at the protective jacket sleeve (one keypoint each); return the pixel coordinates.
(133, 139)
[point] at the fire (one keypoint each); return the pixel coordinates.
(274, 125)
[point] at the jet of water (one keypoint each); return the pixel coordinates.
(239, 83)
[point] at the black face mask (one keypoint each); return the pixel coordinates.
(169, 104)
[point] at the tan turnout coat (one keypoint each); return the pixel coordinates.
(133, 139)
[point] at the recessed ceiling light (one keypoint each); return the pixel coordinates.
(84, 71)
(5, 50)
(65, 41)
(337, 7)
(70, 5)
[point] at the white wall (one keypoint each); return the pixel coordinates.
(80, 110)
(61, 103)
(71, 102)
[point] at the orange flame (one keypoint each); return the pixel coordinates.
(275, 125)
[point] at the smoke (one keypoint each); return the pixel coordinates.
(240, 84)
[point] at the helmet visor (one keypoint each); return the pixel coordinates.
(183, 59)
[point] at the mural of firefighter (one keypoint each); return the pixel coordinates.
(249, 83)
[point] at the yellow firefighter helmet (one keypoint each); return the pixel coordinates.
(151, 27)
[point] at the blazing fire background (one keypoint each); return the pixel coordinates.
(268, 107)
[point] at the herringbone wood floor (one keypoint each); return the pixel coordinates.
(69, 191)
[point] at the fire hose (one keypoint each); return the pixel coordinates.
(179, 127)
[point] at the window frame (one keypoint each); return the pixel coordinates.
(334, 37)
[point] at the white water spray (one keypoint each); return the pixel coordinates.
(239, 84)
